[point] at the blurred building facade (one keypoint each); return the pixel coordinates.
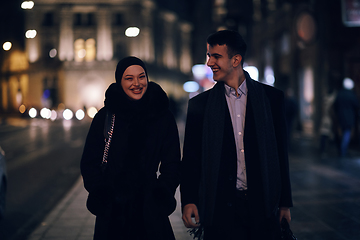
(72, 58)
(307, 46)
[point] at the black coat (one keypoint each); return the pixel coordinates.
(209, 179)
(129, 198)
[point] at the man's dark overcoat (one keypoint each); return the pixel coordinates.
(209, 157)
(128, 199)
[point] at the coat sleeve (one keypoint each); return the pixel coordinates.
(170, 157)
(169, 177)
(282, 147)
(191, 161)
(92, 154)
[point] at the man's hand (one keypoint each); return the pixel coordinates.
(190, 210)
(285, 213)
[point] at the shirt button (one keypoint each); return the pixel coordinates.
(242, 150)
(238, 115)
(239, 133)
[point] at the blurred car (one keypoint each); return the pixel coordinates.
(2, 183)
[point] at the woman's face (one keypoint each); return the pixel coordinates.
(134, 82)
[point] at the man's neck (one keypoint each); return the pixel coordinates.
(236, 81)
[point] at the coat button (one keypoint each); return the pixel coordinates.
(230, 177)
(229, 204)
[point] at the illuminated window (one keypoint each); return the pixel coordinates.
(90, 50)
(79, 49)
(84, 50)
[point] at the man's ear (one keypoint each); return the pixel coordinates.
(237, 60)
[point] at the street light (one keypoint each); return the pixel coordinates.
(7, 46)
(30, 34)
(132, 31)
(27, 5)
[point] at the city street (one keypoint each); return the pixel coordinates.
(46, 199)
(42, 165)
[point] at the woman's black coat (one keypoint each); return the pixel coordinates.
(129, 199)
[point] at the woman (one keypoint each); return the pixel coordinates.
(127, 197)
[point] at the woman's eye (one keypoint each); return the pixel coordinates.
(129, 79)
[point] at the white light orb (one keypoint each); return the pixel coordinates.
(80, 114)
(68, 114)
(30, 34)
(32, 112)
(7, 46)
(132, 31)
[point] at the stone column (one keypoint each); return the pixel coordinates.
(66, 42)
(185, 54)
(104, 43)
(169, 53)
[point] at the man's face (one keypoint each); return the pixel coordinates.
(219, 62)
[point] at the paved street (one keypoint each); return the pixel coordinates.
(42, 165)
(326, 194)
(326, 197)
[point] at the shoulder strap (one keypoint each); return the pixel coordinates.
(108, 132)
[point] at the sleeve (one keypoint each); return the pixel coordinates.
(281, 138)
(191, 161)
(170, 157)
(169, 177)
(92, 155)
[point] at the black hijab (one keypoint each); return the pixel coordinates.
(115, 97)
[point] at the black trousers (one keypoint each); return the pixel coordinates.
(241, 224)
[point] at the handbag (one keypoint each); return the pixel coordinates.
(286, 233)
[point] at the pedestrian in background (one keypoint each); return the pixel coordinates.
(125, 194)
(346, 107)
(235, 174)
(327, 124)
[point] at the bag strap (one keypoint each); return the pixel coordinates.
(108, 132)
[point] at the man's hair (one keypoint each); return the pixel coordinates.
(233, 40)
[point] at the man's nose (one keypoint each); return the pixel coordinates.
(209, 62)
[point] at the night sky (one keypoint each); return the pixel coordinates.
(12, 22)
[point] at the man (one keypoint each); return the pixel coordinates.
(235, 173)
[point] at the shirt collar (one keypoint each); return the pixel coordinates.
(242, 89)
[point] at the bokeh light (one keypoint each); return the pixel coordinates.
(45, 113)
(22, 108)
(27, 5)
(68, 114)
(32, 112)
(7, 46)
(30, 34)
(91, 112)
(191, 86)
(53, 115)
(52, 53)
(132, 31)
(80, 114)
